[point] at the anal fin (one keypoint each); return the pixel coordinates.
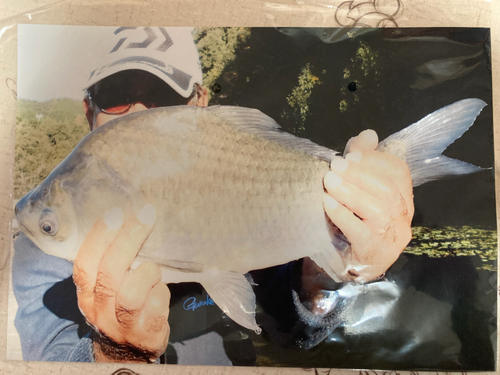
(233, 294)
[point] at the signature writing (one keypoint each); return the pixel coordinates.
(192, 304)
(124, 371)
(332, 372)
(11, 85)
(369, 13)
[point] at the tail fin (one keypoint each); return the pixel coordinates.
(421, 144)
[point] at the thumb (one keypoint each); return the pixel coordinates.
(365, 141)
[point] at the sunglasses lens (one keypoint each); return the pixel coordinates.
(117, 109)
(113, 101)
(116, 94)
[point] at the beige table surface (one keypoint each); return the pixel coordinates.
(311, 13)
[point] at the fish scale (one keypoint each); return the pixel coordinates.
(232, 193)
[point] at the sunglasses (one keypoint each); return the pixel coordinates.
(116, 94)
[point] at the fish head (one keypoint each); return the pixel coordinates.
(47, 216)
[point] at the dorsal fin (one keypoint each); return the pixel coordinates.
(255, 122)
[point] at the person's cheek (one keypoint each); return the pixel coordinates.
(103, 118)
(137, 108)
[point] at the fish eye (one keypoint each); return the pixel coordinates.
(46, 227)
(48, 223)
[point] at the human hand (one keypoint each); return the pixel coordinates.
(370, 200)
(128, 309)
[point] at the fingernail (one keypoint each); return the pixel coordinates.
(332, 180)
(353, 272)
(354, 156)
(114, 218)
(147, 215)
(330, 202)
(339, 165)
(136, 264)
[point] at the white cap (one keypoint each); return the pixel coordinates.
(167, 52)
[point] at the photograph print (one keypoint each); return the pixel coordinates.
(292, 197)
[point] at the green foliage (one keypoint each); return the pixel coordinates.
(218, 47)
(45, 134)
(367, 59)
(299, 99)
(453, 241)
(362, 70)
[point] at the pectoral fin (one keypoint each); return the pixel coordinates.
(234, 295)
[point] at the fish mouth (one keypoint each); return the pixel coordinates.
(22, 228)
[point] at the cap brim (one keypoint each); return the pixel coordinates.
(180, 81)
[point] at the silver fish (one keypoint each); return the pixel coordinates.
(232, 193)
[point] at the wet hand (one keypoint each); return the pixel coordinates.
(127, 308)
(370, 200)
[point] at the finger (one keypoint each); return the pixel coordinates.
(122, 252)
(98, 240)
(363, 204)
(153, 321)
(134, 291)
(157, 305)
(397, 171)
(371, 253)
(353, 228)
(385, 164)
(366, 140)
(362, 176)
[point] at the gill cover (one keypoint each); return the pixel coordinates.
(47, 217)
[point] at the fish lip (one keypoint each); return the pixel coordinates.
(23, 228)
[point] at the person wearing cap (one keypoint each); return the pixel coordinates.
(170, 56)
(129, 310)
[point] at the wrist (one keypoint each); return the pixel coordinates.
(107, 350)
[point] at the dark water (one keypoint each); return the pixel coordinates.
(415, 72)
(445, 315)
